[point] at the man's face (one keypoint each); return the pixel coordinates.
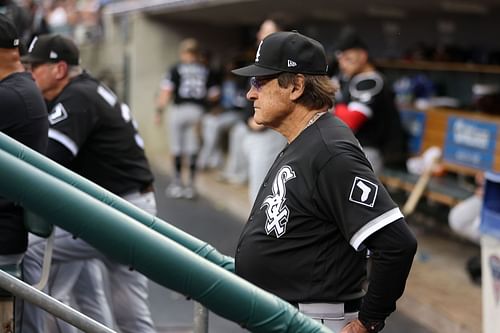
(45, 75)
(271, 102)
(266, 28)
(351, 61)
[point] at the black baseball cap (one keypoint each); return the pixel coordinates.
(52, 48)
(9, 38)
(289, 52)
(349, 39)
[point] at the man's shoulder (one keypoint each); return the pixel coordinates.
(84, 90)
(20, 90)
(18, 81)
(334, 137)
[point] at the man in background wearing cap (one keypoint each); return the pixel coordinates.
(320, 207)
(190, 85)
(94, 134)
(366, 104)
(253, 147)
(23, 116)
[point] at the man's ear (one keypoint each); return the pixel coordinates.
(363, 55)
(62, 70)
(298, 87)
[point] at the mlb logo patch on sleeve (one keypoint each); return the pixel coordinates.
(363, 192)
(57, 114)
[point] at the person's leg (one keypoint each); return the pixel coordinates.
(263, 148)
(66, 249)
(464, 218)
(94, 303)
(175, 129)
(209, 136)
(30, 318)
(130, 300)
(225, 121)
(63, 277)
(130, 288)
(11, 304)
(236, 169)
(192, 114)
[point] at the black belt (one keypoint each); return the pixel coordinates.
(352, 305)
(147, 189)
(143, 190)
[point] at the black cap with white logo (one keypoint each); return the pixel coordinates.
(289, 52)
(349, 39)
(52, 48)
(9, 38)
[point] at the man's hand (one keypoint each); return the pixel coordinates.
(354, 326)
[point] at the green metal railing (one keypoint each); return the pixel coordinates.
(43, 163)
(138, 245)
(14, 286)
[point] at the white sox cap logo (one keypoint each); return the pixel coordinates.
(257, 56)
(363, 192)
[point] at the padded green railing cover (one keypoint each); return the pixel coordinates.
(157, 257)
(45, 164)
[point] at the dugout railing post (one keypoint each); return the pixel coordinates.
(7, 301)
(13, 286)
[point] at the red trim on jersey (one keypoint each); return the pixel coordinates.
(353, 118)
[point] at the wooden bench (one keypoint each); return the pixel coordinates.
(468, 141)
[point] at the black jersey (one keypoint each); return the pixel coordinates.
(368, 93)
(190, 83)
(23, 116)
(90, 122)
(319, 201)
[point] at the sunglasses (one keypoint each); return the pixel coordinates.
(259, 82)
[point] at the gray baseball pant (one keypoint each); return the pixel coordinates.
(129, 289)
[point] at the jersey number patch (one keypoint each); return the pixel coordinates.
(363, 192)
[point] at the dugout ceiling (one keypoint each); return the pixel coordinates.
(251, 12)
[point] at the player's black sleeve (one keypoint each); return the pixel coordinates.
(393, 248)
(59, 153)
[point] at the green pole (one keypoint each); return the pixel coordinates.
(159, 258)
(32, 157)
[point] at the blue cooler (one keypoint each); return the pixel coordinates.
(490, 215)
(490, 253)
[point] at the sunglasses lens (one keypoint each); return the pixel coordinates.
(254, 82)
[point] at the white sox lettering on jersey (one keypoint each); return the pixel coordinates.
(276, 211)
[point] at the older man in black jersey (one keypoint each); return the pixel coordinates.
(320, 206)
(94, 134)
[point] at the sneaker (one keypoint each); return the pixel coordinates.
(189, 192)
(174, 191)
